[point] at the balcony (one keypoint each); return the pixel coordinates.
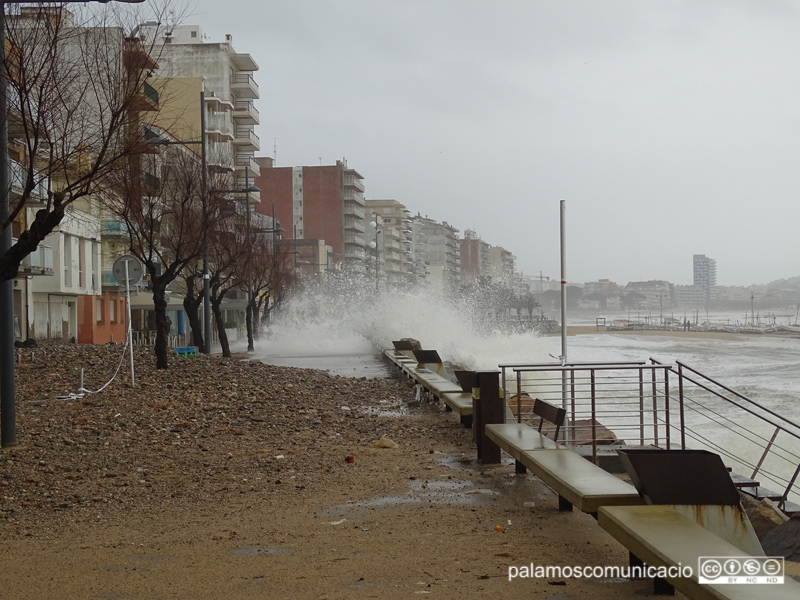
(353, 195)
(216, 104)
(248, 161)
(353, 209)
(244, 62)
(112, 227)
(352, 181)
(135, 57)
(254, 197)
(244, 86)
(354, 239)
(219, 127)
(354, 224)
(245, 113)
(246, 140)
(146, 100)
(38, 262)
(18, 176)
(151, 185)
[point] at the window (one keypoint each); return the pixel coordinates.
(67, 260)
(81, 263)
(112, 306)
(194, 34)
(100, 311)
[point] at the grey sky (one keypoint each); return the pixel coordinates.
(670, 127)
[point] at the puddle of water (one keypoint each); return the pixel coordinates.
(421, 490)
(257, 550)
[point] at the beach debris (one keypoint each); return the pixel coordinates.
(349, 458)
(498, 528)
(339, 522)
(529, 504)
(384, 442)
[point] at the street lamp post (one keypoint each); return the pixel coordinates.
(374, 245)
(247, 190)
(204, 192)
(8, 422)
(249, 316)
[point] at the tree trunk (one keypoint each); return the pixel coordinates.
(249, 319)
(191, 304)
(162, 324)
(223, 335)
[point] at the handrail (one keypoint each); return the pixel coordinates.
(615, 394)
(767, 416)
(737, 394)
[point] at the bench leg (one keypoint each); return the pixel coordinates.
(466, 421)
(564, 504)
(447, 408)
(519, 468)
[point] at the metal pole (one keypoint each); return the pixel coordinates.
(564, 392)
(206, 275)
(130, 322)
(8, 423)
(249, 312)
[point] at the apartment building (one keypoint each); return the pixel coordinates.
(475, 257)
(436, 252)
(392, 240)
(705, 275)
(69, 302)
(188, 64)
(324, 203)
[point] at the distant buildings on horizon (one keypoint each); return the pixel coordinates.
(661, 295)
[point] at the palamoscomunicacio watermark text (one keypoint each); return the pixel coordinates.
(741, 570)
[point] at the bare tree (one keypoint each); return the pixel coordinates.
(75, 86)
(270, 276)
(228, 255)
(167, 215)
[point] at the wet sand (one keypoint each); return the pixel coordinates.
(228, 479)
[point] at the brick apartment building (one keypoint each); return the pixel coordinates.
(324, 203)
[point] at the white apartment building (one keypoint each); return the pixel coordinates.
(230, 95)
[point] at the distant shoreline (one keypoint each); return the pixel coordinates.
(713, 335)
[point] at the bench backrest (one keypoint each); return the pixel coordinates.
(551, 414)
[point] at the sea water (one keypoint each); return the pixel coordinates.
(345, 338)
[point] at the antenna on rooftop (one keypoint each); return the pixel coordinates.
(275, 151)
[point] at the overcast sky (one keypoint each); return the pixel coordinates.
(671, 128)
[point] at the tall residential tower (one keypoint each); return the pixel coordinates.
(705, 275)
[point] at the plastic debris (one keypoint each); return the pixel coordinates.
(385, 442)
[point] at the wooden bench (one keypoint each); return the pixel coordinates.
(461, 403)
(516, 438)
(660, 536)
(577, 481)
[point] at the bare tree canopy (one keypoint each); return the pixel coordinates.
(76, 83)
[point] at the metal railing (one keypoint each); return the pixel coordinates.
(665, 406)
(756, 440)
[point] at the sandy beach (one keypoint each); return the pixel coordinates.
(230, 479)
